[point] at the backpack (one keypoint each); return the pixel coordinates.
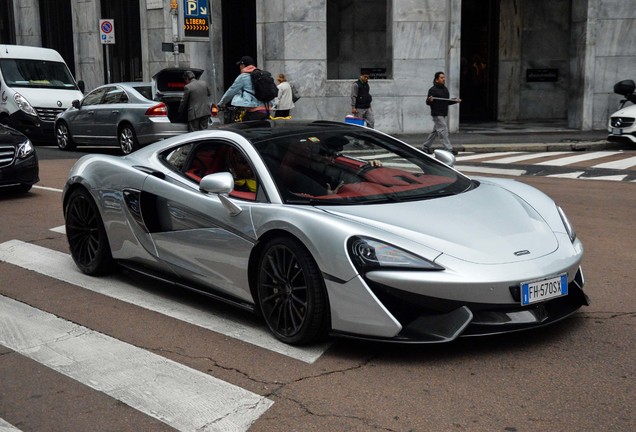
(265, 89)
(295, 95)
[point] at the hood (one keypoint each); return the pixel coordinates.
(49, 98)
(11, 136)
(628, 111)
(487, 225)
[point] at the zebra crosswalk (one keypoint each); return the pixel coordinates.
(597, 165)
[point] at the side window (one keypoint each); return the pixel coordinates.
(178, 157)
(114, 95)
(94, 97)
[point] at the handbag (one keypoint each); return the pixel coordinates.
(295, 95)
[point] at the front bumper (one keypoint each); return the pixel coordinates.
(20, 172)
(38, 131)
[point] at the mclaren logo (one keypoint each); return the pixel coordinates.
(522, 252)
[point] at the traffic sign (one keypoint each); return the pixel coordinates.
(194, 20)
(107, 31)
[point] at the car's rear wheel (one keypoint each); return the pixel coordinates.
(86, 234)
(63, 137)
(291, 292)
(127, 139)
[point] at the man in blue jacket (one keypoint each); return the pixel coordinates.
(438, 99)
(241, 93)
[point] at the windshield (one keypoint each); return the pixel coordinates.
(351, 167)
(31, 73)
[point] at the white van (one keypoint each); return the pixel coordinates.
(35, 86)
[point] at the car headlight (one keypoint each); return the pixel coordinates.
(24, 104)
(25, 149)
(368, 254)
(567, 224)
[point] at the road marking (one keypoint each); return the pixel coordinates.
(483, 155)
(572, 175)
(486, 170)
(47, 188)
(7, 427)
(177, 395)
(60, 266)
(523, 157)
(60, 229)
(618, 164)
(611, 178)
(578, 158)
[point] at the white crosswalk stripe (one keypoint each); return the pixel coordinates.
(7, 427)
(577, 158)
(484, 163)
(179, 396)
(60, 266)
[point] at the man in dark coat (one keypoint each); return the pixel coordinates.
(438, 99)
(195, 101)
(361, 100)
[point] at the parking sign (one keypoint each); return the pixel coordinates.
(107, 31)
(194, 20)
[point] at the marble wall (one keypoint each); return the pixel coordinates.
(592, 43)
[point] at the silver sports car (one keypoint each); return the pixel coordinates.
(324, 227)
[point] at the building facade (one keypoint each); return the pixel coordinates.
(509, 60)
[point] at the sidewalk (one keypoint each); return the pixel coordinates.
(520, 136)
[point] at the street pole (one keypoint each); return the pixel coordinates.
(175, 31)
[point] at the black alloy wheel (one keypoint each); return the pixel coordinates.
(86, 234)
(291, 292)
(63, 137)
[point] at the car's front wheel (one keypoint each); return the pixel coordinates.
(86, 234)
(291, 292)
(127, 139)
(63, 137)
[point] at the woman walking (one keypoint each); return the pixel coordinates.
(283, 103)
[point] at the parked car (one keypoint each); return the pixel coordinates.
(329, 227)
(19, 168)
(130, 115)
(622, 124)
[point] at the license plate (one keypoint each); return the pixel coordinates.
(544, 289)
(616, 131)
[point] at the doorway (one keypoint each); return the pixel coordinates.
(479, 59)
(239, 36)
(125, 53)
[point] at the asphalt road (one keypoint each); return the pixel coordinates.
(578, 375)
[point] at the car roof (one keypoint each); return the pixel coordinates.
(256, 131)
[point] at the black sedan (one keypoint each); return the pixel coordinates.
(19, 168)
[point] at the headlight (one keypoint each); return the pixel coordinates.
(24, 104)
(368, 254)
(25, 149)
(567, 224)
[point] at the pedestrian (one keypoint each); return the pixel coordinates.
(438, 99)
(361, 100)
(195, 102)
(283, 103)
(241, 92)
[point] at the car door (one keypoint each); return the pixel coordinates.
(82, 125)
(108, 112)
(198, 236)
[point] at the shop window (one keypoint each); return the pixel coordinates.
(359, 38)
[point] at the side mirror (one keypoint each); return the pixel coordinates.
(221, 184)
(445, 156)
(82, 85)
(75, 104)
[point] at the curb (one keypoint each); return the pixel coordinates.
(539, 147)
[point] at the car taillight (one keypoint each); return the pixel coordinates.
(214, 110)
(158, 110)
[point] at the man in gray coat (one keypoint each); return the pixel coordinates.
(195, 100)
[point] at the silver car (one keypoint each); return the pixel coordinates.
(324, 227)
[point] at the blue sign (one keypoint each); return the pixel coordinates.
(196, 20)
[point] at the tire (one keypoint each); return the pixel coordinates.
(127, 139)
(63, 136)
(86, 235)
(291, 292)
